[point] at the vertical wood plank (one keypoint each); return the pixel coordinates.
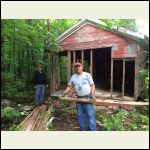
(91, 62)
(58, 71)
(123, 78)
(82, 58)
(69, 65)
(51, 73)
(136, 77)
(111, 79)
(74, 60)
(54, 72)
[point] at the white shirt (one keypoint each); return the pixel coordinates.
(81, 83)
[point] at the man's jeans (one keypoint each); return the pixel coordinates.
(39, 93)
(86, 111)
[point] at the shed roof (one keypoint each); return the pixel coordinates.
(136, 36)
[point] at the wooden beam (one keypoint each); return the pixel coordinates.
(30, 123)
(129, 105)
(54, 73)
(123, 77)
(136, 76)
(91, 62)
(69, 65)
(51, 72)
(111, 79)
(58, 80)
(135, 80)
(28, 117)
(39, 122)
(74, 60)
(82, 55)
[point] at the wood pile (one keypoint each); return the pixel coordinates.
(37, 119)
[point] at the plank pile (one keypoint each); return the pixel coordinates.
(37, 119)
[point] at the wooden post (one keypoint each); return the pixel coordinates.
(82, 58)
(123, 78)
(58, 71)
(51, 73)
(69, 65)
(54, 72)
(136, 76)
(111, 79)
(91, 62)
(135, 80)
(74, 60)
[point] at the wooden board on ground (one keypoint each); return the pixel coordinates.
(36, 120)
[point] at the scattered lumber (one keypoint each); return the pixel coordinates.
(28, 117)
(129, 105)
(36, 120)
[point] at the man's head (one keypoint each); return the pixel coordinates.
(40, 67)
(78, 67)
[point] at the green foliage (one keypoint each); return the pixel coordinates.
(123, 121)
(64, 68)
(25, 44)
(138, 122)
(115, 123)
(14, 127)
(145, 76)
(127, 23)
(10, 114)
(13, 90)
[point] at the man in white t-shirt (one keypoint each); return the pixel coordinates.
(84, 87)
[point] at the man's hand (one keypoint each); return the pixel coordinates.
(92, 96)
(62, 94)
(46, 85)
(35, 86)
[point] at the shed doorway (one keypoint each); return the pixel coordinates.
(102, 70)
(102, 74)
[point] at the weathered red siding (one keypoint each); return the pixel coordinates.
(91, 37)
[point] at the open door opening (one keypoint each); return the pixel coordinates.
(101, 68)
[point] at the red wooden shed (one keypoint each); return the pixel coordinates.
(112, 56)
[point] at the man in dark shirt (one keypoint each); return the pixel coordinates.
(39, 81)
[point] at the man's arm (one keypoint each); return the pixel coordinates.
(67, 90)
(92, 89)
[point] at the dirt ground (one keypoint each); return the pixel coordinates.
(65, 117)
